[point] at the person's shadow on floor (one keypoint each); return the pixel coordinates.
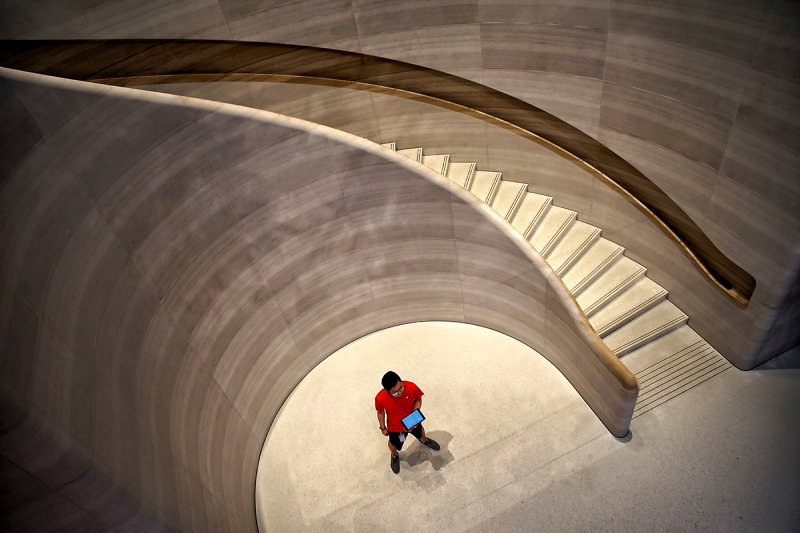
(418, 453)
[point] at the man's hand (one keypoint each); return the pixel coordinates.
(382, 424)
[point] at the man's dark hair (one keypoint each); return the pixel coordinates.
(389, 380)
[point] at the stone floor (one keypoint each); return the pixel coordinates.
(521, 451)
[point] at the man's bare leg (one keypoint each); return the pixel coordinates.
(430, 443)
(393, 449)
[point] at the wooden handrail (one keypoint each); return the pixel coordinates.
(122, 62)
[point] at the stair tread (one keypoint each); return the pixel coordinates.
(530, 212)
(632, 302)
(630, 312)
(552, 226)
(436, 162)
(647, 327)
(575, 242)
(620, 275)
(599, 256)
(509, 195)
(644, 358)
(484, 183)
(460, 173)
(415, 154)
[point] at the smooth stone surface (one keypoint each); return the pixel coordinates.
(519, 452)
(482, 389)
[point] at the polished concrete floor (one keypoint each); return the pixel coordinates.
(521, 451)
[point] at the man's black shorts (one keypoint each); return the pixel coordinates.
(394, 438)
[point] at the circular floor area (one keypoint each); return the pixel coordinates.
(497, 408)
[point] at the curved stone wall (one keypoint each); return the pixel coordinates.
(701, 97)
(172, 268)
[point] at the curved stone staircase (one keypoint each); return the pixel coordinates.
(631, 313)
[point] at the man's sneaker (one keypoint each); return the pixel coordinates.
(430, 443)
(396, 464)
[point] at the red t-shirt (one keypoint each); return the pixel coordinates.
(397, 408)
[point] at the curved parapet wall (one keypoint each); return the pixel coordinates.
(172, 268)
(138, 62)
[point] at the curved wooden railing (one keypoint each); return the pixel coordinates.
(130, 62)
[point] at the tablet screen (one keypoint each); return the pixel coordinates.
(413, 419)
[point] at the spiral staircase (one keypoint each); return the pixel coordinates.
(630, 312)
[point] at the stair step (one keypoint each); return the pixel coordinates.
(461, 173)
(436, 162)
(671, 365)
(598, 257)
(619, 276)
(415, 154)
(576, 241)
(552, 227)
(632, 302)
(530, 213)
(485, 184)
(509, 198)
(654, 323)
(390, 146)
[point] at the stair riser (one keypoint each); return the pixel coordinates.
(631, 315)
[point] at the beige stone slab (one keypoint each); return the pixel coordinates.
(551, 229)
(375, 17)
(421, 353)
(697, 134)
(414, 154)
(736, 218)
(576, 51)
(127, 19)
(580, 13)
(533, 208)
(731, 29)
(446, 46)
(437, 163)
(578, 238)
(461, 173)
(618, 277)
(776, 49)
(536, 500)
(134, 212)
(697, 78)
(598, 257)
(758, 164)
(18, 120)
(317, 22)
(21, 21)
(485, 184)
(641, 296)
(508, 199)
(657, 321)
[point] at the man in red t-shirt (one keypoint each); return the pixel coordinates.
(398, 399)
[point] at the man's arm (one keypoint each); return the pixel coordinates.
(418, 403)
(382, 422)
